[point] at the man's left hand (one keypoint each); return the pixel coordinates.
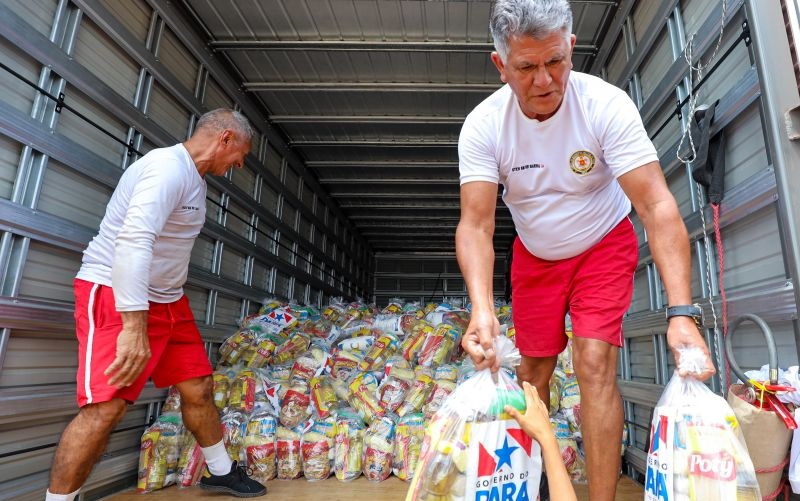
(682, 332)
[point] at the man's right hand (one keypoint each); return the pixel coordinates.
(133, 350)
(478, 341)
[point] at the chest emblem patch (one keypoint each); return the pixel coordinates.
(581, 162)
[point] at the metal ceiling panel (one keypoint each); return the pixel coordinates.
(372, 95)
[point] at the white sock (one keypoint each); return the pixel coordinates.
(217, 459)
(60, 497)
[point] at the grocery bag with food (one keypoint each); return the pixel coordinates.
(473, 450)
(697, 452)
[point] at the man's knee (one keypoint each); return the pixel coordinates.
(595, 363)
(536, 371)
(197, 391)
(104, 416)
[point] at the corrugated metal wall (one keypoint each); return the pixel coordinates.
(645, 56)
(143, 79)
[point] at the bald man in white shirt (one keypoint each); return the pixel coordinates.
(133, 321)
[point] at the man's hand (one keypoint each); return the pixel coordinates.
(681, 333)
(536, 420)
(133, 350)
(478, 341)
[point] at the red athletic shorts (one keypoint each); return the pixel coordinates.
(177, 351)
(595, 287)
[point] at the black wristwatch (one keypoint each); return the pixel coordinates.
(687, 310)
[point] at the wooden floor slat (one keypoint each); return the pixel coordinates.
(332, 489)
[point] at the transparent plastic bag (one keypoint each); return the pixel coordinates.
(697, 452)
(472, 448)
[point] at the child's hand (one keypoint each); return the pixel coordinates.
(536, 420)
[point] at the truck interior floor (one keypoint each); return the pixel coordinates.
(392, 489)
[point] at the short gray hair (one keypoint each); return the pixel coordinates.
(225, 118)
(535, 18)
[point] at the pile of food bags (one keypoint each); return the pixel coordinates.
(346, 391)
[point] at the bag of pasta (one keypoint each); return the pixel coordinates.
(259, 445)
(348, 445)
(472, 448)
(290, 465)
(317, 452)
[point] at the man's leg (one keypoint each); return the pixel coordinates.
(82, 444)
(200, 415)
(537, 371)
(601, 407)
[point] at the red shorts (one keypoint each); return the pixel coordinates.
(595, 287)
(177, 351)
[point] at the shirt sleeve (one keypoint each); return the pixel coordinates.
(154, 196)
(626, 145)
(476, 153)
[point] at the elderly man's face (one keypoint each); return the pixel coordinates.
(537, 71)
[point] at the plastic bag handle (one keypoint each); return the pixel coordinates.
(771, 350)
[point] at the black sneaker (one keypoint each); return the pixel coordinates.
(236, 483)
(544, 489)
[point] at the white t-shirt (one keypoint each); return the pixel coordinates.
(559, 175)
(147, 233)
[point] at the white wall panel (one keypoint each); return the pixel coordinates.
(49, 272)
(165, 111)
(106, 60)
(617, 60)
(233, 265)
(244, 178)
(78, 130)
(261, 276)
(655, 65)
(289, 214)
(72, 196)
(10, 151)
(266, 237)
(203, 252)
(307, 195)
(181, 64)
(134, 14)
(228, 313)
(750, 348)
(745, 148)
(281, 284)
(198, 301)
(695, 12)
(234, 220)
(285, 250)
(642, 359)
(215, 97)
(304, 228)
(292, 181)
(752, 250)
(35, 359)
(273, 162)
(643, 15)
(38, 13)
(666, 138)
(641, 293)
(13, 90)
(269, 199)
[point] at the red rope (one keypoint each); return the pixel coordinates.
(774, 468)
(781, 485)
(721, 255)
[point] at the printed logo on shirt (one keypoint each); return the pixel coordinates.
(581, 162)
(189, 207)
(526, 167)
